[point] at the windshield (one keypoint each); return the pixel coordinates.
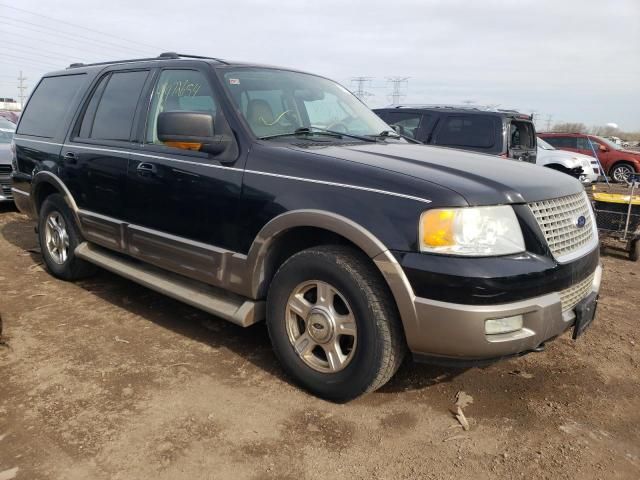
(4, 123)
(544, 145)
(5, 135)
(609, 143)
(279, 102)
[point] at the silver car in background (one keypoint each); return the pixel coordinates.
(7, 129)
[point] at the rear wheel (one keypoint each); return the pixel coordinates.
(621, 172)
(333, 323)
(59, 236)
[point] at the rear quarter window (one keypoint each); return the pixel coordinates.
(46, 110)
(473, 131)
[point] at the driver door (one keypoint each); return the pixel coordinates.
(182, 204)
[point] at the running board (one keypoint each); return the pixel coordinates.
(229, 306)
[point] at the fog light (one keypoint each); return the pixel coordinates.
(503, 325)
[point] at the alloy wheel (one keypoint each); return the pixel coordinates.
(321, 326)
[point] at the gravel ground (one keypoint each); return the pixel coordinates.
(104, 379)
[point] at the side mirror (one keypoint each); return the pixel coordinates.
(191, 131)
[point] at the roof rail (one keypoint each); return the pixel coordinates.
(476, 108)
(162, 56)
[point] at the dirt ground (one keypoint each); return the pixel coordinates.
(103, 379)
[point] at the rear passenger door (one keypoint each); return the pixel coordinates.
(96, 154)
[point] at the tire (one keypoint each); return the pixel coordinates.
(621, 171)
(634, 251)
(59, 235)
(360, 304)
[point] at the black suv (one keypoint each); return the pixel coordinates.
(257, 192)
(506, 133)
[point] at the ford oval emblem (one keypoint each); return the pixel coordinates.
(581, 221)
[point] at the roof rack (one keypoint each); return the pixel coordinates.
(476, 108)
(162, 56)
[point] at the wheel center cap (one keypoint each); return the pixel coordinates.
(320, 326)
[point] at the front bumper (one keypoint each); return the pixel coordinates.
(455, 331)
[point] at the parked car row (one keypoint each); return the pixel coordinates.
(7, 130)
(512, 135)
(617, 162)
(262, 193)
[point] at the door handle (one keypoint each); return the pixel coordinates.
(70, 158)
(146, 169)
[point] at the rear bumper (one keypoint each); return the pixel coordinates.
(456, 331)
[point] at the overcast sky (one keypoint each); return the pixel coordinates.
(576, 60)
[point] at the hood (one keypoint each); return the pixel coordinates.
(480, 179)
(565, 157)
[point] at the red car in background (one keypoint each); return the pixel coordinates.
(618, 163)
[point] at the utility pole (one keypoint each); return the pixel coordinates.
(22, 87)
(397, 84)
(360, 83)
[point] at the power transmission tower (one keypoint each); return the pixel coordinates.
(22, 87)
(397, 93)
(549, 118)
(360, 83)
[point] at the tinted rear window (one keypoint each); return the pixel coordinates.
(49, 104)
(475, 131)
(117, 106)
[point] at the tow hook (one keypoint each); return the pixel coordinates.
(540, 348)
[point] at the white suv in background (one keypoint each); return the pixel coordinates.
(567, 162)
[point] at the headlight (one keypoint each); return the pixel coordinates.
(472, 231)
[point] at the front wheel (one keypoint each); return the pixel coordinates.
(333, 323)
(622, 172)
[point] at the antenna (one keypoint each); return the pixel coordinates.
(22, 87)
(397, 83)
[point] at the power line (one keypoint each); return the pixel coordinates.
(397, 83)
(75, 25)
(52, 31)
(48, 42)
(26, 48)
(360, 83)
(22, 87)
(32, 60)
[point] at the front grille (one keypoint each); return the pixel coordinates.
(6, 190)
(571, 296)
(558, 220)
(5, 169)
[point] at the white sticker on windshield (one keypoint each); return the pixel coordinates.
(234, 81)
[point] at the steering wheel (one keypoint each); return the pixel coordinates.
(338, 127)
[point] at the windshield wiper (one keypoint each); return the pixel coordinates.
(317, 131)
(396, 135)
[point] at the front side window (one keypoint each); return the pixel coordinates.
(180, 91)
(116, 107)
(476, 131)
(278, 102)
(583, 143)
(48, 105)
(406, 123)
